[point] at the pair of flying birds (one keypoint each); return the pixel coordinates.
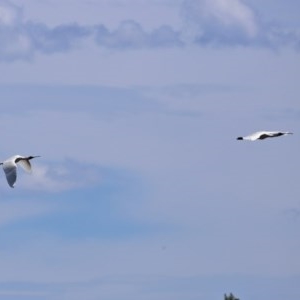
(10, 165)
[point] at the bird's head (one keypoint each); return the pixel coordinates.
(31, 157)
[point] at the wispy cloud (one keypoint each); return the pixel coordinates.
(60, 177)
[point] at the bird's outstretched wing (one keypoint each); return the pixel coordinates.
(264, 136)
(25, 164)
(11, 174)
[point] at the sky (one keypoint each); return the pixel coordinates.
(142, 191)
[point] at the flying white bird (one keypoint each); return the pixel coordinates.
(10, 167)
(261, 135)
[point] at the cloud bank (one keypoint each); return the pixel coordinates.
(131, 34)
(22, 39)
(205, 22)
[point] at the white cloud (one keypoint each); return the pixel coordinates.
(59, 177)
(42, 179)
(231, 13)
(220, 21)
(233, 23)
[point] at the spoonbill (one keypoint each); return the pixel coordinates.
(10, 167)
(261, 135)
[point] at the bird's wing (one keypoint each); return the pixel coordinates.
(261, 135)
(273, 134)
(254, 136)
(265, 135)
(25, 164)
(10, 173)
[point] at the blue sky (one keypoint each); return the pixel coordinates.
(142, 190)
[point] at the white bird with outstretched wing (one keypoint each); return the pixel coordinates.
(10, 167)
(261, 135)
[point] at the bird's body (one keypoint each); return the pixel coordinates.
(261, 135)
(10, 167)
